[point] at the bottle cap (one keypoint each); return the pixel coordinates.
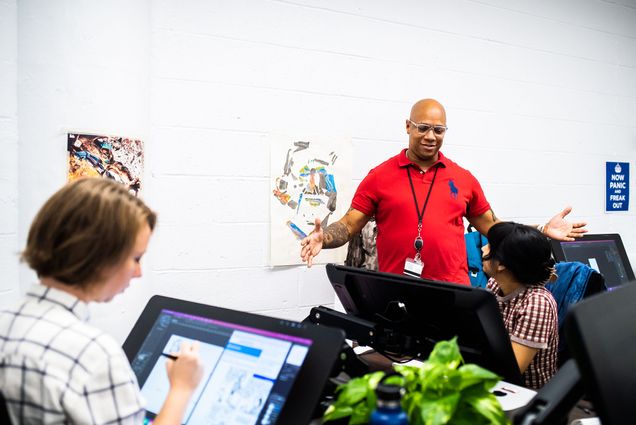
(388, 392)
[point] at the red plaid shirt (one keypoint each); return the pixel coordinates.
(531, 318)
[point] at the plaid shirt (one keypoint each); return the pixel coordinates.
(530, 316)
(55, 368)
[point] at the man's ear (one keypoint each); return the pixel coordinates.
(500, 267)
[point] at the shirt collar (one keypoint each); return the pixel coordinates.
(404, 161)
(46, 294)
(514, 294)
(510, 296)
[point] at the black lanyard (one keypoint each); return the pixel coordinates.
(419, 242)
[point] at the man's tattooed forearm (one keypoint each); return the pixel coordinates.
(494, 217)
(336, 235)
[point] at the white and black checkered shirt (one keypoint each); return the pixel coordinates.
(55, 368)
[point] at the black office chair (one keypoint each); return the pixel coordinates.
(4, 412)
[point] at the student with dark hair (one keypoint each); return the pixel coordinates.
(519, 261)
(85, 245)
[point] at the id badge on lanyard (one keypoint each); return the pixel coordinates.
(414, 266)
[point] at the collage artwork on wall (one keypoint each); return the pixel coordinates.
(117, 158)
(310, 179)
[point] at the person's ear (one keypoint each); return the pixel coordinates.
(408, 127)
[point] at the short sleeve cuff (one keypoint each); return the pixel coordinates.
(480, 211)
(527, 343)
(362, 208)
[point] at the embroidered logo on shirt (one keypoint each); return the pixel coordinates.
(453, 189)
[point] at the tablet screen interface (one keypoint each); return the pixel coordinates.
(248, 372)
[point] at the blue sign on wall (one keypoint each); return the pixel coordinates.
(616, 186)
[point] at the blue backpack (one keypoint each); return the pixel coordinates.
(474, 242)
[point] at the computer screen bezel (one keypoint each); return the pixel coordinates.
(313, 375)
(358, 296)
(559, 252)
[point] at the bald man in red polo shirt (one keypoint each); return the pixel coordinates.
(419, 198)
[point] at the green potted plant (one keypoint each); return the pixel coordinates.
(443, 390)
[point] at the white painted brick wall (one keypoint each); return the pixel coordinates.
(9, 283)
(539, 95)
(83, 66)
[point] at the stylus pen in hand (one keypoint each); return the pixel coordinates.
(170, 356)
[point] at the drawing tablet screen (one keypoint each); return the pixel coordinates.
(605, 253)
(248, 372)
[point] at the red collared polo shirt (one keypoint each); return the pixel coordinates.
(386, 194)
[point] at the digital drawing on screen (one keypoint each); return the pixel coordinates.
(247, 377)
(310, 179)
(117, 158)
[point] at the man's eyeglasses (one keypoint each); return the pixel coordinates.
(439, 130)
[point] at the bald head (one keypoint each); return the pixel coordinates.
(426, 107)
(426, 128)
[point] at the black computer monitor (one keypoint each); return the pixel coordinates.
(604, 253)
(602, 338)
(426, 312)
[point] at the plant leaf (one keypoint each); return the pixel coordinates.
(356, 399)
(414, 411)
(372, 383)
(358, 389)
(441, 381)
(353, 392)
(395, 380)
(373, 379)
(412, 376)
(360, 415)
(487, 406)
(436, 412)
(333, 413)
(446, 352)
(466, 415)
(472, 374)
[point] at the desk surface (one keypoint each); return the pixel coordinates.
(511, 396)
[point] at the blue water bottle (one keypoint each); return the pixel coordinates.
(389, 409)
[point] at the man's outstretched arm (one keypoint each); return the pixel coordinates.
(562, 230)
(557, 228)
(335, 235)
